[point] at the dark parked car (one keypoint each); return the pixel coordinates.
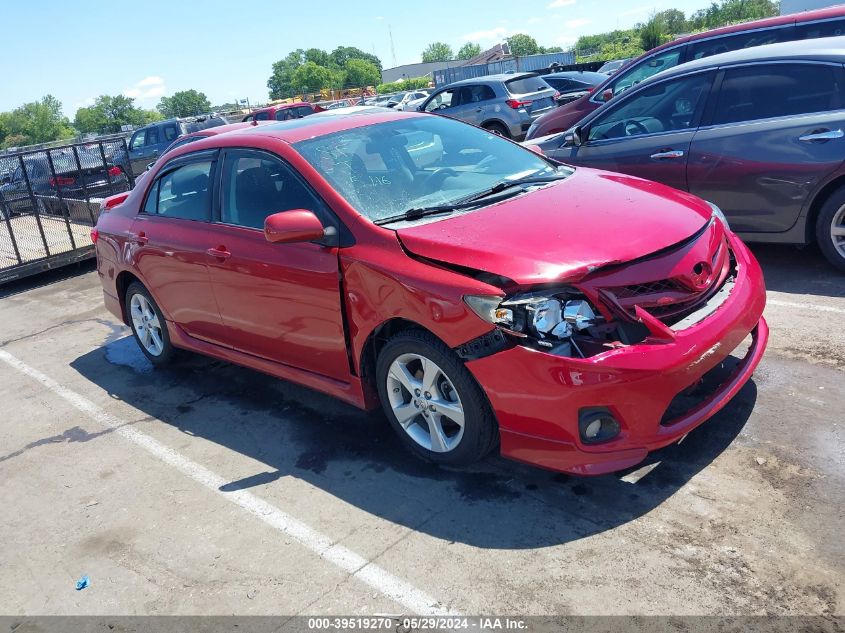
(808, 25)
(573, 84)
(52, 189)
(760, 132)
(506, 104)
(148, 142)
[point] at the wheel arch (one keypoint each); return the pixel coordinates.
(824, 194)
(122, 282)
(376, 340)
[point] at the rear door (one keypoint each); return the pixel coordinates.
(169, 240)
(776, 132)
(281, 302)
(646, 133)
(474, 104)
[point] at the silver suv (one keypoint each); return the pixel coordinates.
(505, 104)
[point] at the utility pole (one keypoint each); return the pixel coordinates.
(392, 49)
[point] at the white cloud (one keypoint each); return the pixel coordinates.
(557, 4)
(496, 34)
(379, 17)
(577, 24)
(148, 88)
(534, 20)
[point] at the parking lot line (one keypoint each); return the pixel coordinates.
(804, 306)
(367, 572)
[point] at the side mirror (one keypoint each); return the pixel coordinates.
(573, 138)
(298, 225)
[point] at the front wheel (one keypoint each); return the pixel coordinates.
(148, 325)
(830, 229)
(432, 401)
(497, 128)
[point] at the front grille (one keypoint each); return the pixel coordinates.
(654, 287)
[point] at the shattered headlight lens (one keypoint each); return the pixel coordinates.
(719, 214)
(549, 317)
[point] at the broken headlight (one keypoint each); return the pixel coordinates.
(551, 319)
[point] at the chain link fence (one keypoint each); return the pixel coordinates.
(50, 199)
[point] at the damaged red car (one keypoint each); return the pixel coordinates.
(479, 293)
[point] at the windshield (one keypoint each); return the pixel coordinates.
(385, 169)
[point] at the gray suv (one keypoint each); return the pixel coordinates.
(505, 104)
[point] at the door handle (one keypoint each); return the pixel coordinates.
(219, 253)
(478, 109)
(139, 238)
(668, 155)
(822, 135)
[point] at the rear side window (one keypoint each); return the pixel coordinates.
(767, 91)
(476, 94)
(304, 110)
(829, 28)
(184, 192)
(262, 116)
(170, 132)
(526, 85)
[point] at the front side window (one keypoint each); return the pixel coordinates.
(749, 39)
(183, 192)
(304, 110)
(776, 90)
(669, 106)
(262, 116)
(387, 168)
(256, 185)
(137, 141)
(642, 71)
(813, 30)
(441, 101)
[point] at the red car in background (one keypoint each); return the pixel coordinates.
(786, 28)
(283, 112)
(478, 292)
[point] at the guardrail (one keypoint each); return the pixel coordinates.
(50, 200)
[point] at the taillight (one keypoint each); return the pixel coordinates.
(115, 171)
(95, 235)
(516, 104)
(61, 181)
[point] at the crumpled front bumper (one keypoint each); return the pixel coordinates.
(537, 396)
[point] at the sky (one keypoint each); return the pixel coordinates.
(153, 48)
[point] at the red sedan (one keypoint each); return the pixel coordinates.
(481, 294)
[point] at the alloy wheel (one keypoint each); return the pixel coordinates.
(837, 231)
(146, 324)
(425, 403)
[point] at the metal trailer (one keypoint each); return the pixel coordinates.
(50, 200)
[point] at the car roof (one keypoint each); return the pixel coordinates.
(221, 129)
(575, 74)
(830, 49)
(499, 77)
(321, 124)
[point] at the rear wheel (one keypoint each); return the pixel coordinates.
(432, 401)
(830, 229)
(497, 128)
(148, 325)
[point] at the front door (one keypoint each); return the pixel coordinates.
(777, 132)
(281, 302)
(647, 133)
(169, 239)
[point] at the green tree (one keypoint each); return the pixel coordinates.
(311, 77)
(437, 52)
(469, 50)
(651, 34)
(109, 114)
(184, 103)
(550, 49)
(672, 21)
(522, 44)
(342, 54)
(612, 45)
(361, 73)
(732, 12)
(36, 122)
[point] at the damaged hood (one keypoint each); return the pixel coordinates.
(564, 231)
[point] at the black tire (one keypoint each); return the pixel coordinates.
(169, 352)
(497, 128)
(832, 211)
(480, 430)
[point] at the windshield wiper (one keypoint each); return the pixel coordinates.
(468, 201)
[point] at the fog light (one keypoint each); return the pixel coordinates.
(597, 425)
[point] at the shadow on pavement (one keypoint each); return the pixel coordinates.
(355, 457)
(798, 270)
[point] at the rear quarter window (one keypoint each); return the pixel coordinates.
(526, 85)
